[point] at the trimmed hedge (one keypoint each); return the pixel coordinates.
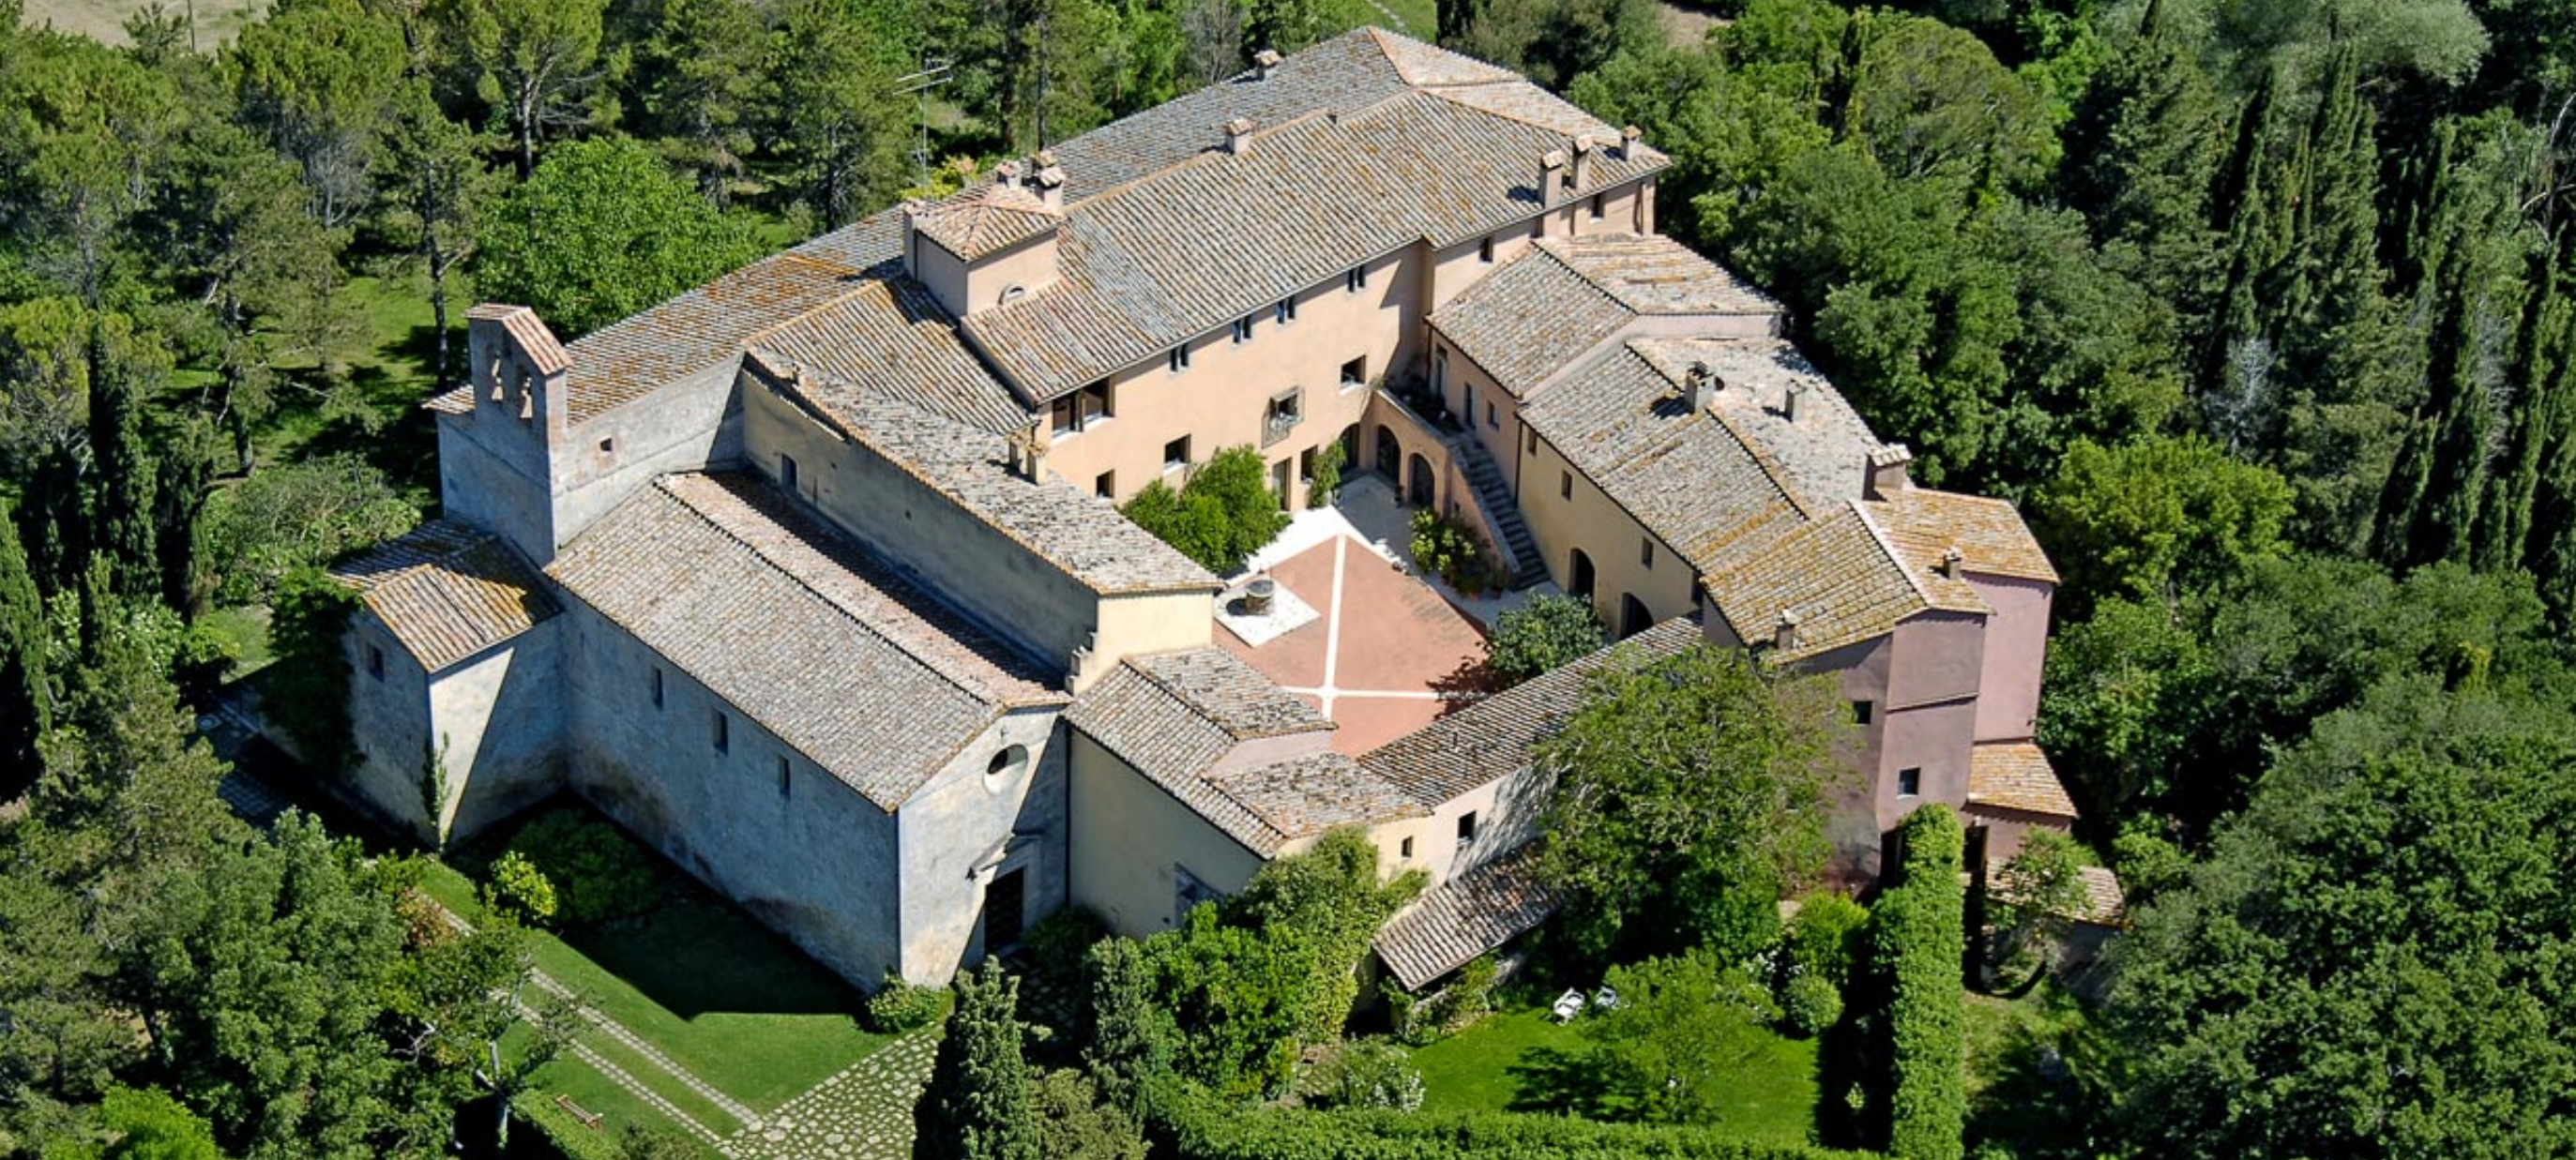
(1918, 939)
(1189, 1123)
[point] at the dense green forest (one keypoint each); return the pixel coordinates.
(2261, 309)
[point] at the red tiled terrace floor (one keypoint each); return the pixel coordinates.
(1381, 647)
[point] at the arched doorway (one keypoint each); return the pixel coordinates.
(1418, 489)
(1578, 580)
(1390, 455)
(1350, 450)
(1633, 617)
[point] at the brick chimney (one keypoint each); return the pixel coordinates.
(1784, 634)
(1581, 175)
(1628, 143)
(1887, 471)
(1238, 136)
(1264, 63)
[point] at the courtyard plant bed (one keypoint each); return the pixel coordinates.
(1522, 1060)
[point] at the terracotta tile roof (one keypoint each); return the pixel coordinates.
(1817, 461)
(1169, 237)
(893, 336)
(544, 352)
(2016, 776)
(1989, 533)
(1522, 322)
(1077, 532)
(1490, 740)
(1301, 797)
(1460, 919)
(799, 628)
(1839, 577)
(1421, 64)
(447, 591)
(1653, 274)
(1175, 716)
(1680, 472)
(985, 220)
(2106, 902)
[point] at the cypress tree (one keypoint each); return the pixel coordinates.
(2253, 251)
(25, 703)
(2147, 142)
(2504, 534)
(120, 482)
(976, 1106)
(50, 526)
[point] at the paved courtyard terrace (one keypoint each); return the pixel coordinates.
(1387, 649)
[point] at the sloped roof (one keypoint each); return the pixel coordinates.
(798, 627)
(1839, 577)
(2016, 775)
(1077, 532)
(1552, 303)
(986, 219)
(1461, 919)
(892, 336)
(1989, 533)
(1678, 471)
(1653, 274)
(447, 591)
(1174, 716)
(1490, 740)
(1818, 460)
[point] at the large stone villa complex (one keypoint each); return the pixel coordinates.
(813, 577)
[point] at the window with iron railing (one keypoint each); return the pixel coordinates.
(1287, 409)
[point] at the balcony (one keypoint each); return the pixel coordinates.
(1287, 409)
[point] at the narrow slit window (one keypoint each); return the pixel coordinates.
(1485, 250)
(786, 777)
(723, 733)
(1286, 311)
(1356, 280)
(1467, 828)
(1179, 358)
(657, 686)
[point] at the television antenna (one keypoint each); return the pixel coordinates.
(934, 73)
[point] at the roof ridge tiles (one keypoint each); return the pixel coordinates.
(1878, 536)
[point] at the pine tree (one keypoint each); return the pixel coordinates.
(976, 1106)
(25, 703)
(1131, 1038)
(2145, 150)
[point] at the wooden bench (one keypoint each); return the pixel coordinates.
(590, 1120)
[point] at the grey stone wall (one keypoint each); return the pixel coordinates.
(968, 828)
(806, 854)
(500, 718)
(389, 716)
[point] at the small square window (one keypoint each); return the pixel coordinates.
(375, 662)
(1106, 485)
(1286, 311)
(1565, 485)
(1243, 329)
(1404, 849)
(723, 733)
(786, 777)
(1909, 782)
(1176, 454)
(609, 444)
(1863, 712)
(1646, 553)
(1355, 372)
(1356, 280)
(1179, 358)
(1485, 250)
(657, 686)
(1596, 207)
(1467, 828)
(787, 471)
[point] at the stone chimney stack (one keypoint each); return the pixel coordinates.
(1581, 175)
(1028, 453)
(1238, 136)
(1792, 401)
(1784, 635)
(1953, 562)
(1551, 174)
(1704, 386)
(1628, 143)
(1264, 63)
(1887, 471)
(1049, 180)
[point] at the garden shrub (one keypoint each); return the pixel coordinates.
(1224, 514)
(1190, 1123)
(898, 1006)
(1918, 943)
(1540, 635)
(515, 887)
(1449, 1010)
(1683, 1027)
(1363, 1073)
(1445, 548)
(1824, 938)
(599, 874)
(1326, 482)
(1810, 1005)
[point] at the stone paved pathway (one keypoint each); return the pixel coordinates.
(864, 1113)
(651, 1054)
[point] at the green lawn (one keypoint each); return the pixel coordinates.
(2016, 1095)
(1524, 1061)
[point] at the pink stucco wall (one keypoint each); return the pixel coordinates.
(2016, 648)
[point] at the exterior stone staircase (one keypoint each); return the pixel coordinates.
(1520, 549)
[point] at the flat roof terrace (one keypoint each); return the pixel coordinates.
(1386, 653)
